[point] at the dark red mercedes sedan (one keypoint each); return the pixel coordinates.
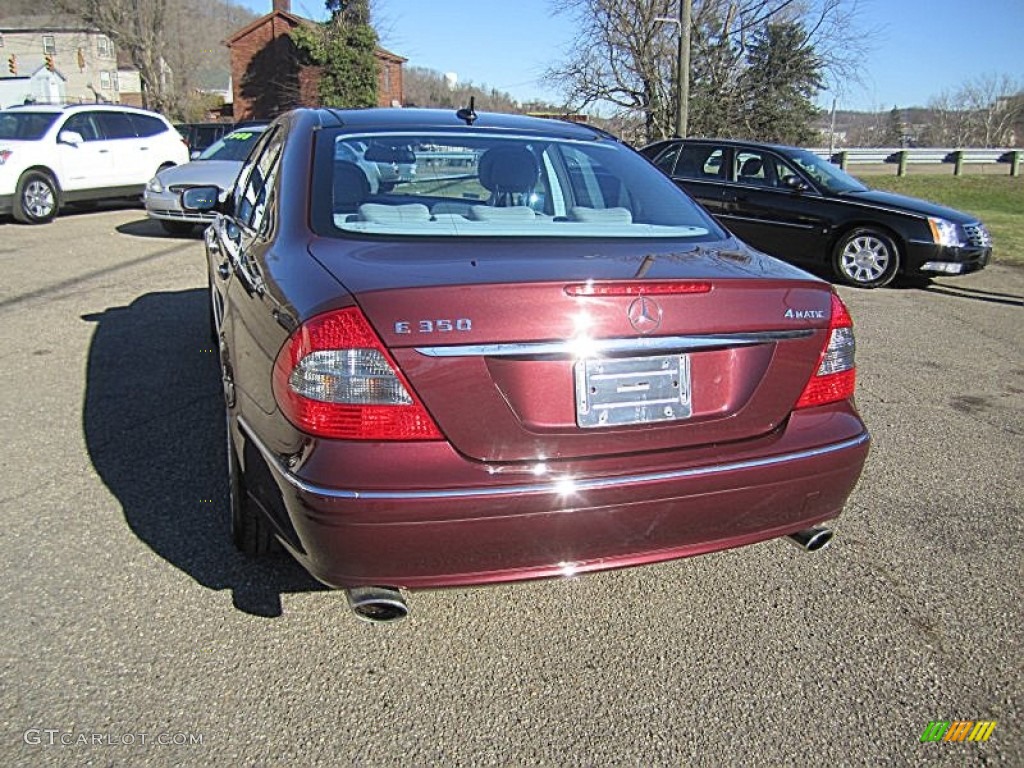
(533, 356)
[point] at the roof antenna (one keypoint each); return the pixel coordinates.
(468, 114)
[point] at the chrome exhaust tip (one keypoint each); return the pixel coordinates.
(377, 604)
(812, 539)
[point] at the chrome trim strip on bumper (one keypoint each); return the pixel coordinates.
(574, 348)
(557, 485)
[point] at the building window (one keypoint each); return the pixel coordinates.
(103, 47)
(114, 83)
(104, 80)
(1, 41)
(49, 45)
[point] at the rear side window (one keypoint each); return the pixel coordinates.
(147, 125)
(116, 125)
(26, 126)
(700, 161)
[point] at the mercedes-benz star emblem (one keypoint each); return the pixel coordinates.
(644, 315)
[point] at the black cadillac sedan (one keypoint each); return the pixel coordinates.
(797, 206)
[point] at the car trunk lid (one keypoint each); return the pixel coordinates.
(603, 353)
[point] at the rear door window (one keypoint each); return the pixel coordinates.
(701, 161)
(116, 125)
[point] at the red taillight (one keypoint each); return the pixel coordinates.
(638, 287)
(834, 378)
(334, 378)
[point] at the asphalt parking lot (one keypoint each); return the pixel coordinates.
(135, 634)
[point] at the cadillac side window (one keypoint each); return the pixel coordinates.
(245, 195)
(667, 160)
(714, 164)
(698, 161)
(753, 169)
(782, 170)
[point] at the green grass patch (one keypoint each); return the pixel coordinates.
(997, 200)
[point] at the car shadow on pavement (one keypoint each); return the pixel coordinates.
(154, 428)
(152, 228)
(975, 294)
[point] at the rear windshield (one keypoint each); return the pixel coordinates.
(464, 184)
(26, 126)
(234, 146)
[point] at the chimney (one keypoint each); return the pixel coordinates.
(283, 5)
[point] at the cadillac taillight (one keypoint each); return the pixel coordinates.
(835, 376)
(334, 378)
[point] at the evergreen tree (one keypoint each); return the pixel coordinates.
(894, 129)
(782, 77)
(343, 47)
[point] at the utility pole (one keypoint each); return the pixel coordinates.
(683, 63)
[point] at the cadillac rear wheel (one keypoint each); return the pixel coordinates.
(866, 258)
(249, 531)
(35, 199)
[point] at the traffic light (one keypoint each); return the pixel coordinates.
(49, 62)
(12, 64)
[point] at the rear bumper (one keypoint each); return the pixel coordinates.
(560, 525)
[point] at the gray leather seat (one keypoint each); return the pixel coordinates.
(509, 174)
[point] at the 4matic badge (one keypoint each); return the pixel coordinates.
(805, 314)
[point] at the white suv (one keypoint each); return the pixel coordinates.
(51, 155)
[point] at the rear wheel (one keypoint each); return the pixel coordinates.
(249, 530)
(177, 228)
(35, 199)
(866, 258)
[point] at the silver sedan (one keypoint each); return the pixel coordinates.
(218, 165)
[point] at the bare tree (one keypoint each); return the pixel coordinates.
(981, 112)
(137, 27)
(623, 55)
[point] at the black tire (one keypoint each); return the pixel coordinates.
(866, 258)
(35, 198)
(250, 532)
(177, 228)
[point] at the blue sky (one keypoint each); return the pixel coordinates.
(920, 47)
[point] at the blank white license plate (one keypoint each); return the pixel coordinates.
(632, 390)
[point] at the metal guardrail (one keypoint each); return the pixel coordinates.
(924, 155)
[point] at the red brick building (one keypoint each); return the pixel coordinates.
(268, 79)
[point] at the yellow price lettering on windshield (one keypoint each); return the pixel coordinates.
(240, 136)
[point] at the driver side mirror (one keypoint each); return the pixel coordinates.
(205, 199)
(72, 138)
(795, 183)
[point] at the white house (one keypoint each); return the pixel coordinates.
(41, 87)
